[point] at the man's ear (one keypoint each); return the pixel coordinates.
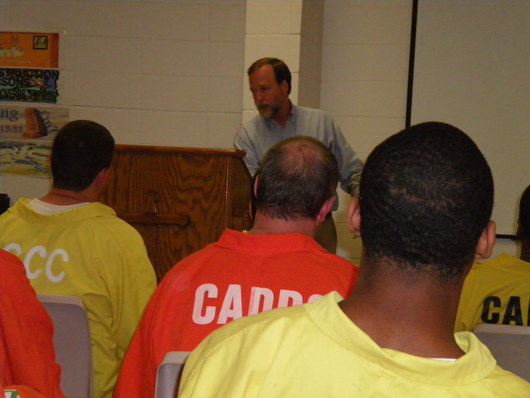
(102, 178)
(255, 187)
(284, 86)
(486, 241)
(325, 209)
(354, 216)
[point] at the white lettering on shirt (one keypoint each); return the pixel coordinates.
(16, 249)
(232, 305)
(29, 256)
(289, 298)
(49, 274)
(207, 290)
(224, 308)
(314, 297)
(256, 294)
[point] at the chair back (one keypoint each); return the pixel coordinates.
(510, 345)
(71, 339)
(168, 374)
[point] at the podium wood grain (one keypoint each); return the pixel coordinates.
(179, 199)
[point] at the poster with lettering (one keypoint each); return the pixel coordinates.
(31, 50)
(29, 85)
(26, 135)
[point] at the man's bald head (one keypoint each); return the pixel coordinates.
(296, 177)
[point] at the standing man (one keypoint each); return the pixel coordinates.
(71, 244)
(279, 118)
(498, 291)
(276, 264)
(425, 201)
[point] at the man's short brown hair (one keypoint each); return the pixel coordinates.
(280, 68)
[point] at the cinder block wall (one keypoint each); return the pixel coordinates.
(364, 81)
(162, 73)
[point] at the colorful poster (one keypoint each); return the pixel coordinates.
(29, 50)
(26, 135)
(25, 158)
(31, 123)
(29, 85)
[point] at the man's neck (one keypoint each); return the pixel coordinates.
(63, 197)
(283, 114)
(263, 224)
(415, 317)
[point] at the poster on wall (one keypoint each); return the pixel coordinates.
(29, 85)
(29, 63)
(30, 50)
(26, 135)
(30, 159)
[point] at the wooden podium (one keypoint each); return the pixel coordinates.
(179, 199)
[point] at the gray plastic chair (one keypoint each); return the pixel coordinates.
(510, 345)
(168, 374)
(71, 339)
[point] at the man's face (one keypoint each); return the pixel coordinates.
(269, 96)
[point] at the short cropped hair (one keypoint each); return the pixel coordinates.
(524, 213)
(280, 68)
(296, 177)
(426, 195)
(81, 149)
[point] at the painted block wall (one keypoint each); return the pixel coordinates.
(364, 85)
(164, 73)
(364, 81)
(273, 29)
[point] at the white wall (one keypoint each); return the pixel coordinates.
(476, 76)
(364, 80)
(162, 73)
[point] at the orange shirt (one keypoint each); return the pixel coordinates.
(240, 275)
(27, 355)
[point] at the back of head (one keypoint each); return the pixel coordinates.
(81, 149)
(524, 215)
(281, 70)
(296, 177)
(426, 196)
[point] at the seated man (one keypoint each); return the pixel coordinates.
(426, 196)
(73, 245)
(498, 290)
(276, 264)
(27, 355)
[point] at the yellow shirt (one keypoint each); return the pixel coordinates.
(314, 350)
(87, 252)
(495, 291)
